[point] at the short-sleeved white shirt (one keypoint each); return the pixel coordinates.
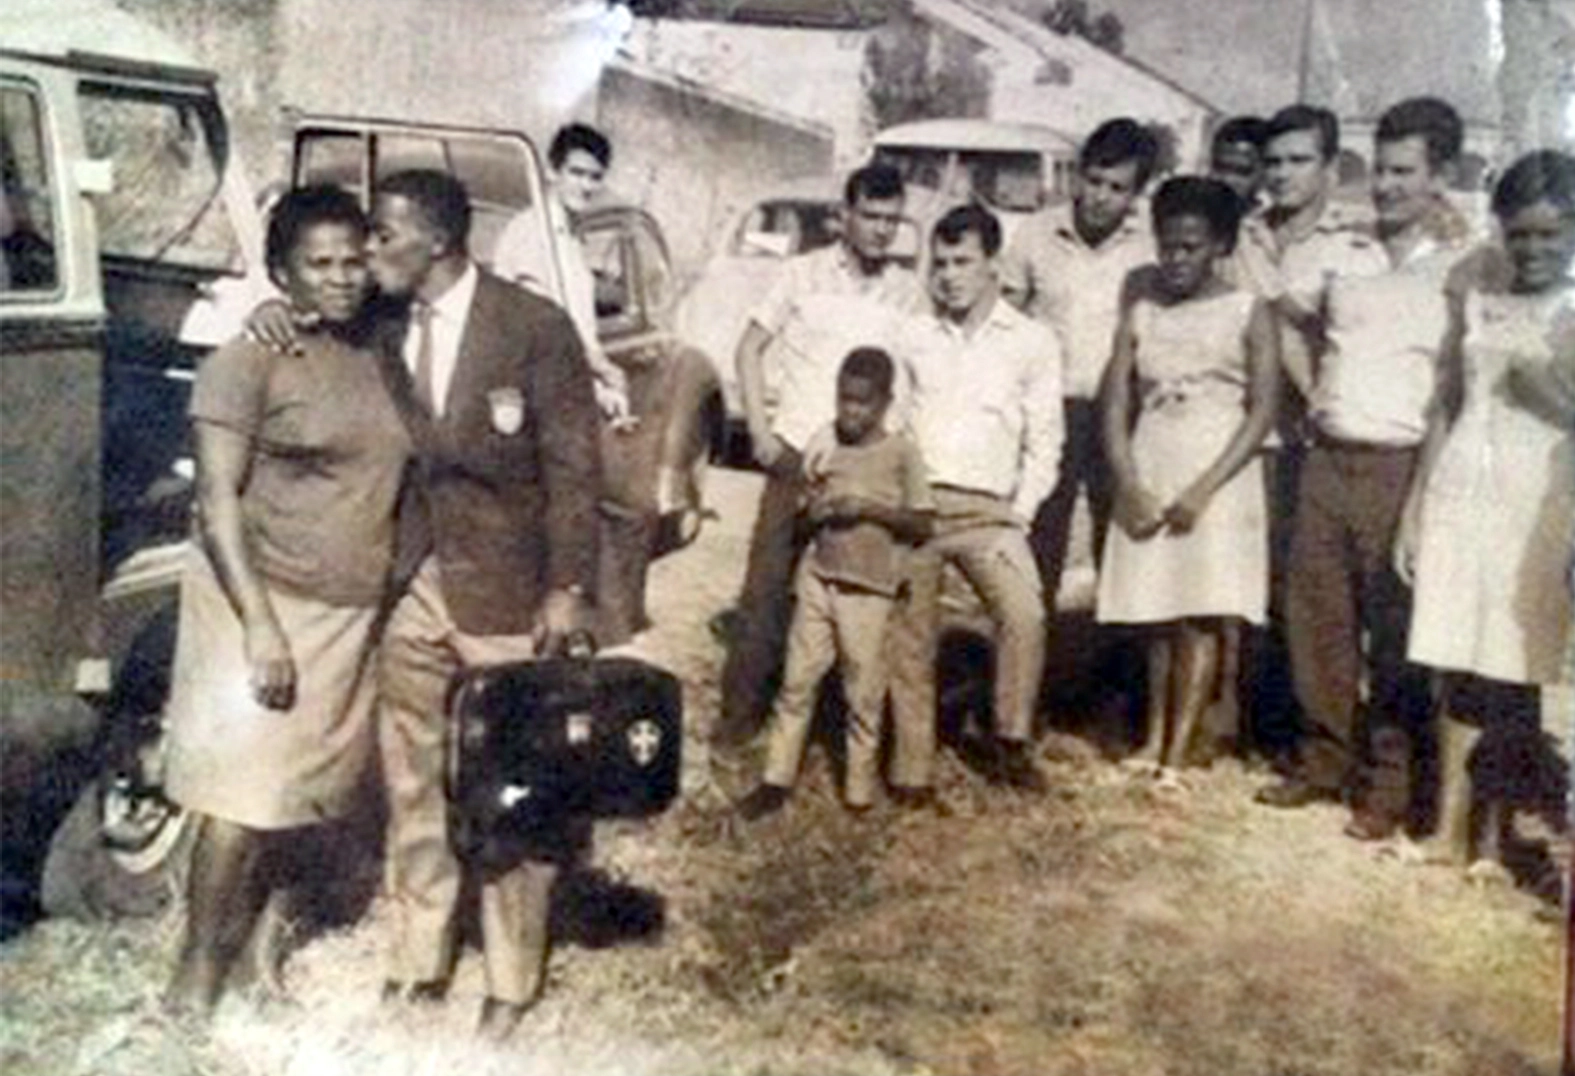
(822, 307)
(1056, 277)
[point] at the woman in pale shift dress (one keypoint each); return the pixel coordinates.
(1490, 521)
(299, 463)
(1198, 362)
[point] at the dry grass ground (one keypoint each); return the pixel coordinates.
(1118, 926)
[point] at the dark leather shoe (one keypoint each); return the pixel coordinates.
(764, 800)
(500, 1018)
(1368, 824)
(1012, 767)
(922, 798)
(1293, 792)
(423, 992)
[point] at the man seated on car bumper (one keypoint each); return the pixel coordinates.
(988, 421)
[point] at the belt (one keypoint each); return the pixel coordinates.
(1320, 439)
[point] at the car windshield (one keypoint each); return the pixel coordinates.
(781, 228)
(1011, 181)
(1003, 179)
(165, 203)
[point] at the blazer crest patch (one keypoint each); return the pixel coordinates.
(507, 405)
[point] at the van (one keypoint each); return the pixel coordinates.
(124, 217)
(1012, 169)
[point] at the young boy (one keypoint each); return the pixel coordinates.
(867, 498)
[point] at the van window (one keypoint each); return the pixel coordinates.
(166, 204)
(496, 170)
(27, 215)
(920, 167)
(403, 152)
(332, 157)
(609, 256)
(1006, 180)
(782, 228)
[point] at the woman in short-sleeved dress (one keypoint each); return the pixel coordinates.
(300, 459)
(1192, 371)
(1489, 527)
(1498, 512)
(1189, 396)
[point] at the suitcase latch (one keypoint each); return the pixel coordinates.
(577, 729)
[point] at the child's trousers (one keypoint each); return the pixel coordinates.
(832, 624)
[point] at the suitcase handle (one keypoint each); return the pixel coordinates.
(580, 644)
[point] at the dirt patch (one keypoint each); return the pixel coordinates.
(1117, 926)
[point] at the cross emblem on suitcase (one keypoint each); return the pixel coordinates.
(645, 739)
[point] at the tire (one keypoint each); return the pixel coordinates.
(86, 877)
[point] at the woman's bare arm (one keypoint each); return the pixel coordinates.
(223, 465)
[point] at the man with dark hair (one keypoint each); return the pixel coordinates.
(579, 158)
(1236, 156)
(988, 421)
(1065, 267)
(876, 182)
(827, 303)
(1435, 122)
(1286, 247)
(581, 137)
(499, 548)
(1347, 611)
(444, 206)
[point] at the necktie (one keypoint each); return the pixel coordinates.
(422, 315)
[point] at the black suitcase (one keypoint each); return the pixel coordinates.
(534, 744)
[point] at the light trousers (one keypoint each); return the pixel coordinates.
(832, 625)
(977, 533)
(422, 650)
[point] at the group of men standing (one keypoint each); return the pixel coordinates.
(1001, 358)
(982, 390)
(1363, 311)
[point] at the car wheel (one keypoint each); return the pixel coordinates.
(120, 853)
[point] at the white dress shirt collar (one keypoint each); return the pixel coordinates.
(449, 313)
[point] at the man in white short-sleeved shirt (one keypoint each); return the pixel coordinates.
(826, 304)
(1065, 267)
(579, 158)
(1379, 315)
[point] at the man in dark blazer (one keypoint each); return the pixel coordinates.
(499, 549)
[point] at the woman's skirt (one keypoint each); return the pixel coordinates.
(230, 757)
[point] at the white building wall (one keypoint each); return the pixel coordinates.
(810, 74)
(1037, 76)
(527, 66)
(1068, 84)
